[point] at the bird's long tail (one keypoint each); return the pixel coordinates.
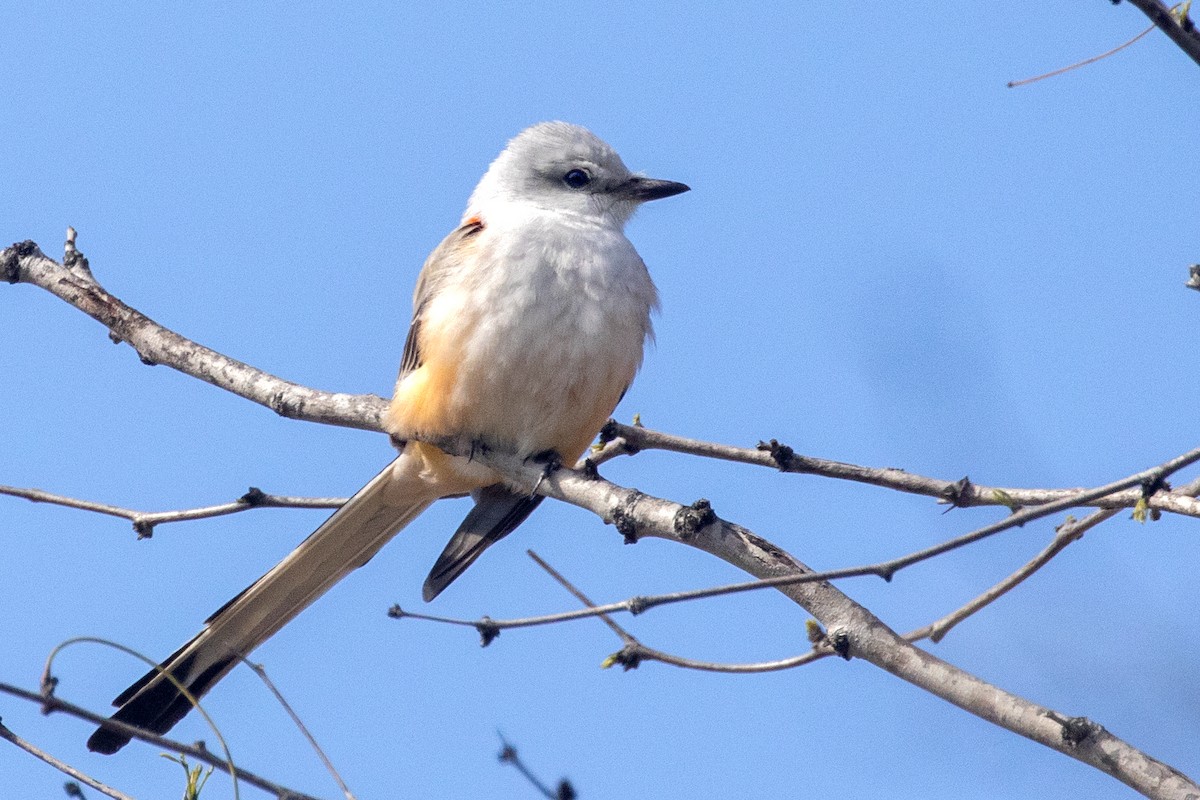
(347, 540)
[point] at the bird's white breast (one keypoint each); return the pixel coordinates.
(550, 315)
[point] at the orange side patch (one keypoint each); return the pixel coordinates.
(421, 403)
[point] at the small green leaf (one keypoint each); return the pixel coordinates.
(1141, 510)
(196, 776)
(1004, 498)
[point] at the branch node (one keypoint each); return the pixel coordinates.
(628, 657)
(396, 612)
(815, 633)
(254, 497)
(959, 493)
(9, 266)
(609, 431)
(1152, 486)
(612, 431)
(623, 516)
(638, 604)
(1193, 281)
(49, 684)
(1076, 730)
(74, 260)
(278, 403)
(690, 519)
(143, 528)
(488, 631)
(839, 640)
(781, 454)
(590, 471)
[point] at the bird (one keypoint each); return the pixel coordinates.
(529, 323)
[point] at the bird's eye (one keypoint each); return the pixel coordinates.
(577, 179)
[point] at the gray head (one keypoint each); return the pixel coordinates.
(563, 167)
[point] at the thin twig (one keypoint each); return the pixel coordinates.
(961, 493)
(1149, 477)
(884, 569)
(61, 766)
(54, 703)
(508, 755)
(1078, 64)
(261, 672)
(1179, 28)
(624, 635)
(1067, 533)
(145, 521)
(634, 651)
(1070, 532)
(49, 683)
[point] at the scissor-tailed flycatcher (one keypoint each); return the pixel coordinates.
(528, 325)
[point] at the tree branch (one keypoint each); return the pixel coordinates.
(74, 283)
(50, 702)
(1180, 29)
(851, 629)
(633, 653)
(59, 765)
(700, 514)
(962, 493)
(144, 521)
(24, 262)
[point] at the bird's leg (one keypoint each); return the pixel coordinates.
(551, 462)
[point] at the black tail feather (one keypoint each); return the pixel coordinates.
(498, 511)
(159, 705)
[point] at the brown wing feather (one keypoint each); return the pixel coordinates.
(427, 282)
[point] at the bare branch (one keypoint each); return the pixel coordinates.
(1179, 27)
(851, 629)
(636, 605)
(961, 493)
(53, 703)
(624, 635)
(25, 263)
(508, 755)
(1070, 531)
(145, 521)
(261, 672)
(634, 652)
(1078, 64)
(61, 766)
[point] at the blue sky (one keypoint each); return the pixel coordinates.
(887, 258)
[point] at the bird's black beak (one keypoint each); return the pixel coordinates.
(642, 189)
